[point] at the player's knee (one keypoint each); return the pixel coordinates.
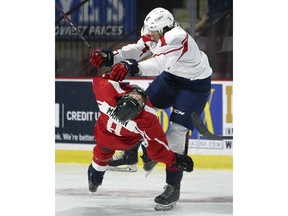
(176, 137)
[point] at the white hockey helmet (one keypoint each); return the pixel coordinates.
(159, 19)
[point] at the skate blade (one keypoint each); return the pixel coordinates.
(160, 207)
(148, 172)
(125, 168)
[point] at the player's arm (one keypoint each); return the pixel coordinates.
(172, 49)
(159, 151)
(127, 58)
(99, 87)
(108, 58)
(136, 51)
(174, 46)
(105, 89)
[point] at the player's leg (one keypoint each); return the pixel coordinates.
(160, 92)
(167, 199)
(185, 102)
(97, 169)
(177, 137)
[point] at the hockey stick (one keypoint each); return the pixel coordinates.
(72, 10)
(199, 125)
(73, 27)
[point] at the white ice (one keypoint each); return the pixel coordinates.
(203, 193)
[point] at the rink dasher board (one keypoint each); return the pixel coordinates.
(82, 154)
(74, 98)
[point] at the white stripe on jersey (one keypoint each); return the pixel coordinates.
(150, 110)
(108, 110)
(162, 143)
(144, 135)
(99, 103)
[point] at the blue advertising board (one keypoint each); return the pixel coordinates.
(76, 112)
(96, 19)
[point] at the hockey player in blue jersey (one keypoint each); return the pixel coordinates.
(183, 81)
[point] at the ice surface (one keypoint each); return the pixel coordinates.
(203, 193)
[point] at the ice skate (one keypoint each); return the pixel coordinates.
(125, 162)
(148, 164)
(123, 168)
(148, 167)
(167, 200)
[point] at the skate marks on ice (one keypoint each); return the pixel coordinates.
(117, 193)
(203, 193)
(122, 194)
(138, 203)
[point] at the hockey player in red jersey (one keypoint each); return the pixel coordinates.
(127, 119)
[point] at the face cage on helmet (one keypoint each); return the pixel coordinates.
(127, 108)
(140, 91)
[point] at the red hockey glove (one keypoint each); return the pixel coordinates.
(101, 57)
(127, 67)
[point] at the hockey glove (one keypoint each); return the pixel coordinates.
(101, 57)
(95, 178)
(184, 162)
(128, 67)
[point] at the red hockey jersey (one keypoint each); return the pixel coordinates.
(111, 134)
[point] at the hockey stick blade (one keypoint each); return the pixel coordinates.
(199, 125)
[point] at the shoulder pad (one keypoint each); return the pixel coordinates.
(175, 35)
